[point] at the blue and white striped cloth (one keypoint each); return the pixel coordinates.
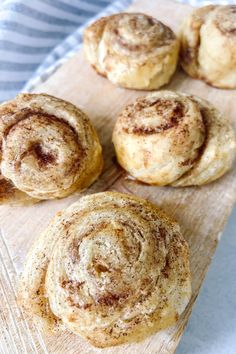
(36, 36)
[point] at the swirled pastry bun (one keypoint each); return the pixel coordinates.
(48, 146)
(112, 268)
(172, 138)
(208, 45)
(132, 50)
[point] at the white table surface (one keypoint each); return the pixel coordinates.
(212, 325)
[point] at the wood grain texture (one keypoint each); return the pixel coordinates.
(201, 211)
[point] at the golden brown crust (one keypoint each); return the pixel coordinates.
(208, 45)
(218, 151)
(9, 194)
(132, 50)
(112, 268)
(172, 138)
(48, 146)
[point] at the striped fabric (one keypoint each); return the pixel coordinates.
(37, 36)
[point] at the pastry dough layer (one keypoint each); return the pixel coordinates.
(48, 146)
(173, 138)
(112, 268)
(132, 50)
(208, 45)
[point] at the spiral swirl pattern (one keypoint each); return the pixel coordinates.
(112, 268)
(208, 45)
(132, 49)
(48, 146)
(172, 138)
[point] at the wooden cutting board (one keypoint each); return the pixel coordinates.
(202, 212)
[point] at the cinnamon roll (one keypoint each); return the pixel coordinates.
(111, 268)
(48, 148)
(208, 45)
(172, 138)
(132, 50)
